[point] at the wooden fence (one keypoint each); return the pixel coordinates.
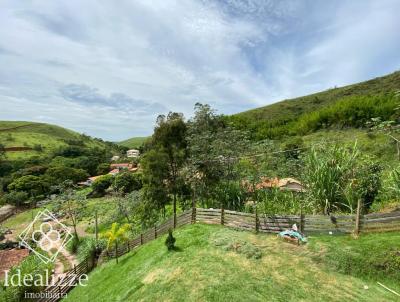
(309, 224)
(61, 287)
(151, 234)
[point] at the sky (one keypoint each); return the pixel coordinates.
(109, 68)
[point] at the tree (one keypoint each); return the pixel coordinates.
(72, 203)
(155, 173)
(116, 235)
(33, 185)
(127, 182)
(101, 184)
(2, 151)
(59, 174)
(212, 155)
(103, 168)
(170, 138)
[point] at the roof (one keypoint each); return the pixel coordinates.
(288, 183)
(121, 165)
(93, 178)
(114, 171)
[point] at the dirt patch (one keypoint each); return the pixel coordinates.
(153, 276)
(10, 258)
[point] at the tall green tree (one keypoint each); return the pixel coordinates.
(155, 174)
(215, 150)
(169, 140)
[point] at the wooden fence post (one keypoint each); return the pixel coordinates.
(358, 216)
(141, 238)
(87, 264)
(155, 231)
(174, 220)
(96, 229)
(257, 220)
(193, 214)
(222, 215)
(129, 248)
(301, 226)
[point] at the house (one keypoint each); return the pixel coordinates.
(284, 184)
(89, 181)
(121, 166)
(132, 153)
(115, 158)
(114, 171)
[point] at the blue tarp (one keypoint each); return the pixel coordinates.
(293, 234)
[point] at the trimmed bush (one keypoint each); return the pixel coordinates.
(170, 241)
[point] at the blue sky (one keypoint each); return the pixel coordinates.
(109, 68)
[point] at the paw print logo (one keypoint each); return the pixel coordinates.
(48, 234)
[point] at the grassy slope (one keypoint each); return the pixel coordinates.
(134, 142)
(289, 109)
(203, 271)
(379, 146)
(30, 134)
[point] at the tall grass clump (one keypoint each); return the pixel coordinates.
(337, 177)
(327, 171)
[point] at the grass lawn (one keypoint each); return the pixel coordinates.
(20, 221)
(134, 142)
(214, 263)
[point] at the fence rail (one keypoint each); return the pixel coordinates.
(308, 224)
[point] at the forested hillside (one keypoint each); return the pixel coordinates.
(349, 106)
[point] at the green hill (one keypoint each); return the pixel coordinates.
(213, 263)
(348, 106)
(134, 142)
(40, 137)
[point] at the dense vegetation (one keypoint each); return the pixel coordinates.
(320, 110)
(63, 156)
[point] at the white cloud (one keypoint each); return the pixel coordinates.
(108, 69)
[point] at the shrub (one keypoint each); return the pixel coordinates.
(88, 249)
(16, 198)
(2, 233)
(101, 184)
(170, 241)
(327, 172)
(127, 182)
(73, 245)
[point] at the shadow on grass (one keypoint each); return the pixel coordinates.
(176, 249)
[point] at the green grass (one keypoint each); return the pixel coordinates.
(377, 145)
(203, 269)
(371, 257)
(134, 142)
(291, 108)
(29, 134)
(20, 221)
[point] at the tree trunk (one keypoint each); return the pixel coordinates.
(174, 209)
(398, 150)
(116, 251)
